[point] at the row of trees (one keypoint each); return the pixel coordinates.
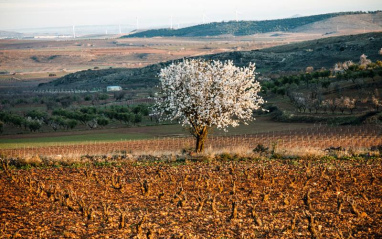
(364, 69)
(364, 64)
(311, 104)
(67, 119)
(95, 116)
(342, 71)
(281, 85)
(64, 100)
(19, 121)
(313, 100)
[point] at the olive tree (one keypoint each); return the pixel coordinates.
(204, 94)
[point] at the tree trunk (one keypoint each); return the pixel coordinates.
(201, 136)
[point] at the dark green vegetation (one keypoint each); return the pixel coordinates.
(240, 28)
(67, 119)
(99, 79)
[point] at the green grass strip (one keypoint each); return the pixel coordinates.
(68, 140)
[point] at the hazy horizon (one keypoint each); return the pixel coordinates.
(26, 14)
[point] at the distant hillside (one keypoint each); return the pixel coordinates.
(319, 53)
(88, 79)
(367, 22)
(293, 57)
(242, 28)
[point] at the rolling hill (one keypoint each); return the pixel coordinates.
(319, 53)
(287, 58)
(324, 23)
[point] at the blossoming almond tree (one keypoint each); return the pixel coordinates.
(205, 94)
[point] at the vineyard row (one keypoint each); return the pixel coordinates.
(320, 138)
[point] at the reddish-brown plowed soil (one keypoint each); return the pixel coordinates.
(247, 199)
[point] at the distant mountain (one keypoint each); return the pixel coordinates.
(242, 28)
(287, 58)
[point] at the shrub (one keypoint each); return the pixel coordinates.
(102, 121)
(377, 148)
(34, 125)
(260, 148)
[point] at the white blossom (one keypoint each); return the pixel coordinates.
(207, 94)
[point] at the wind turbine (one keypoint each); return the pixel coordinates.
(237, 15)
(120, 32)
(171, 23)
(74, 32)
(205, 18)
(137, 27)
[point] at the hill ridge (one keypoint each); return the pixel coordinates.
(241, 28)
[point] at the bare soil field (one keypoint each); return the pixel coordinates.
(178, 198)
(33, 59)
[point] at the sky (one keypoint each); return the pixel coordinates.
(22, 14)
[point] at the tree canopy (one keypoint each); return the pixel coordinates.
(204, 94)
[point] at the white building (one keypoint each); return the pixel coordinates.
(113, 88)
